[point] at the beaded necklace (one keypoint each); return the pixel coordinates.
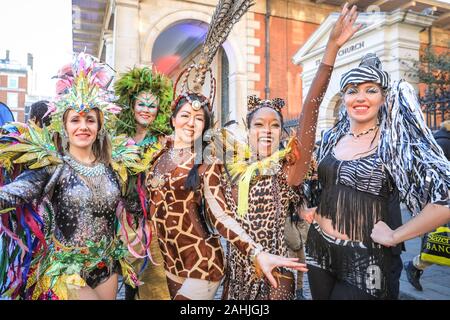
(84, 170)
(364, 132)
(94, 176)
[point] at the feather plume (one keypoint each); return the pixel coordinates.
(226, 15)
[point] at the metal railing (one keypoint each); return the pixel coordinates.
(436, 107)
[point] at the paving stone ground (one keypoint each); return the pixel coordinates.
(435, 280)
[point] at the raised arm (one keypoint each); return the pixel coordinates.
(303, 146)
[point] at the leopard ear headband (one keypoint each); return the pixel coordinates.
(254, 103)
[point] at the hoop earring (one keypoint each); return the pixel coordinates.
(101, 134)
(101, 137)
(65, 140)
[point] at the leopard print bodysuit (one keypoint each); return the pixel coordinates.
(269, 200)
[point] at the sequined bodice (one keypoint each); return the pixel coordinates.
(84, 206)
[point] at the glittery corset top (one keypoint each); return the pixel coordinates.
(85, 206)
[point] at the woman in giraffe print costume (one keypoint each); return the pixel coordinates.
(188, 207)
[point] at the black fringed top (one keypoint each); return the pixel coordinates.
(356, 194)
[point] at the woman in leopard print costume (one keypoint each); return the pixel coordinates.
(274, 190)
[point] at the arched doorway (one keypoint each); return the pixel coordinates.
(178, 45)
(328, 115)
(234, 47)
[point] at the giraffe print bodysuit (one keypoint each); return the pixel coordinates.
(190, 247)
(269, 200)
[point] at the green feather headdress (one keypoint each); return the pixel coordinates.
(129, 86)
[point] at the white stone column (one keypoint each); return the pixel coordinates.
(109, 48)
(394, 37)
(126, 34)
(238, 96)
(402, 43)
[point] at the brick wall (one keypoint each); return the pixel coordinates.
(3, 81)
(260, 35)
(3, 96)
(23, 85)
(286, 37)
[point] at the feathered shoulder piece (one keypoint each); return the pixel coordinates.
(130, 159)
(27, 145)
(244, 171)
(238, 163)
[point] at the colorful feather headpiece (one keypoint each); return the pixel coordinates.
(82, 86)
(254, 103)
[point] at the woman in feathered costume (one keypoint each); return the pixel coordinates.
(379, 154)
(267, 184)
(145, 96)
(81, 255)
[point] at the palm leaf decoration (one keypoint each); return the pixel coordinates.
(129, 159)
(147, 157)
(125, 157)
(30, 146)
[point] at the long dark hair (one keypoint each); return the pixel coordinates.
(37, 112)
(193, 179)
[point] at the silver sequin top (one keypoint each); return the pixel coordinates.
(84, 206)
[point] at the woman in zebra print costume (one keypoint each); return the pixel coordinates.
(380, 153)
